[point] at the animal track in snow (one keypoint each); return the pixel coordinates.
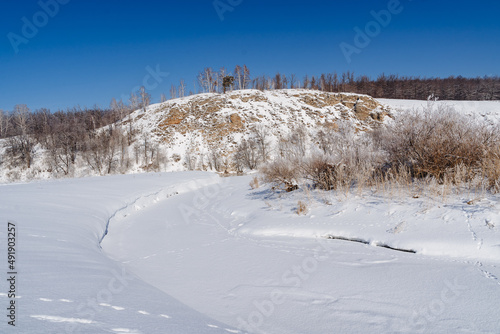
(398, 228)
(126, 330)
(118, 308)
(51, 318)
(489, 224)
(486, 273)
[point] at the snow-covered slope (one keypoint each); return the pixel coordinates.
(64, 282)
(214, 124)
(489, 110)
(197, 253)
(204, 122)
(245, 258)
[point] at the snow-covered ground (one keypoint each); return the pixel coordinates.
(64, 282)
(195, 253)
(489, 110)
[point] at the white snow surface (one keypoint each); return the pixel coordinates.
(191, 252)
(65, 283)
(245, 258)
(489, 110)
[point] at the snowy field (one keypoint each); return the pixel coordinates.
(489, 110)
(195, 253)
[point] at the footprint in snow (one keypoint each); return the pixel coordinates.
(51, 318)
(398, 228)
(489, 224)
(118, 308)
(126, 330)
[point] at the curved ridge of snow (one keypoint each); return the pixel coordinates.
(65, 283)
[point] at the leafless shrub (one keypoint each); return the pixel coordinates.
(247, 155)
(324, 172)
(261, 139)
(436, 142)
(282, 173)
(436, 149)
(190, 160)
(294, 145)
(20, 151)
(102, 150)
(4, 123)
(215, 161)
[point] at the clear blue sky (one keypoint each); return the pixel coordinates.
(92, 51)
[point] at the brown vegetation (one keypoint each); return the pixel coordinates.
(434, 147)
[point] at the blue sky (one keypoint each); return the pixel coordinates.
(91, 51)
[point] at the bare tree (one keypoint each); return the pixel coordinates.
(261, 135)
(118, 108)
(246, 77)
(20, 148)
(103, 149)
(163, 98)
(173, 92)
(238, 75)
(4, 123)
(293, 80)
(21, 117)
(134, 101)
(182, 89)
(144, 98)
(247, 155)
(277, 81)
(208, 80)
(220, 79)
(214, 159)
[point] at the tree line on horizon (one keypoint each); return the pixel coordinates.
(384, 86)
(211, 81)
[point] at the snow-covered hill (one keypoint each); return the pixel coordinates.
(202, 123)
(189, 132)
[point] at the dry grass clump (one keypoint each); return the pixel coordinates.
(301, 208)
(282, 173)
(324, 173)
(491, 168)
(254, 184)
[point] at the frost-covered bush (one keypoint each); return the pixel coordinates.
(436, 142)
(433, 146)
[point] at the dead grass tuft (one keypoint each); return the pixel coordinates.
(301, 208)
